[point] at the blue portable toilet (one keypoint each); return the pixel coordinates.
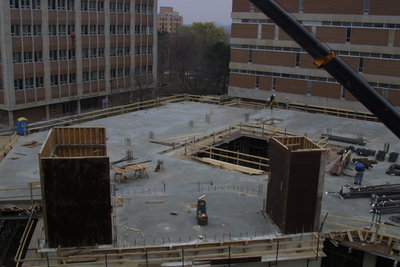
(22, 126)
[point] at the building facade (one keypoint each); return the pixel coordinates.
(265, 60)
(61, 57)
(168, 20)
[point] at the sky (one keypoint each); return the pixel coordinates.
(218, 11)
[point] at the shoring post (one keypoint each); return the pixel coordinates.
(277, 253)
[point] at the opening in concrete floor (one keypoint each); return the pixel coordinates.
(237, 150)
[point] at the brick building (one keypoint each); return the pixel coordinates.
(168, 20)
(264, 59)
(61, 57)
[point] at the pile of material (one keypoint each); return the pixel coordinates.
(385, 204)
(367, 191)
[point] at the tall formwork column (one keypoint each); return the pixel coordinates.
(295, 187)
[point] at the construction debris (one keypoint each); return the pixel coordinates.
(394, 170)
(367, 191)
(32, 144)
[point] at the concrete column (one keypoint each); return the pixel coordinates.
(46, 49)
(155, 48)
(78, 46)
(133, 46)
(107, 45)
(78, 106)
(6, 55)
(369, 260)
(11, 122)
(47, 112)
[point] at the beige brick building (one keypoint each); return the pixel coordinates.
(168, 20)
(61, 57)
(264, 59)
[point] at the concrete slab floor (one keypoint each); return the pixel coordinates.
(233, 199)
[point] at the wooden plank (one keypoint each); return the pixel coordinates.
(232, 167)
(349, 236)
(360, 235)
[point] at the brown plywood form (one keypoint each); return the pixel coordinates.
(75, 179)
(295, 189)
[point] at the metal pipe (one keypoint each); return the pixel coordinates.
(343, 73)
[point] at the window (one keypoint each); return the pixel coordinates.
(54, 80)
(137, 50)
(92, 29)
(252, 8)
(28, 57)
(143, 29)
(137, 29)
(301, 5)
(150, 9)
(113, 7)
(63, 78)
(71, 28)
(137, 70)
(72, 78)
(93, 75)
(297, 60)
(61, 5)
(53, 109)
(273, 84)
(18, 84)
(120, 51)
(113, 29)
(150, 68)
(84, 29)
(101, 52)
(85, 76)
(101, 75)
(71, 54)
(71, 5)
(84, 5)
(127, 51)
(113, 73)
(127, 29)
(53, 55)
(26, 30)
(120, 29)
(15, 30)
(37, 30)
(36, 4)
(93, 52)
(120, 73)
(150, 50)
(25, 4)
(29, 83)
(127, 7)
(120, 7)
(257, 82)
(61, 29)
(113, 51)
(100, 6)
(1, 85)
(85, 52)
(39, 82)
(38, 56)
(17, 57)
(52, 4)
(137, 8)
(366, 6)
(348, 35)
(250, 56)
(62, 54)
(127, 71)
(14, 4)
(100, 29)
(361, 64)
(92, 5)
(52, 30)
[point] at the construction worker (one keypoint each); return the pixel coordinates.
(287, 102)
(360, 169)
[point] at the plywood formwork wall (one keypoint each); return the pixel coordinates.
(75, 180)
(295, 189)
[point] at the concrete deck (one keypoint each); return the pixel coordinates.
(233, 199)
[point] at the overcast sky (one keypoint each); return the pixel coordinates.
(218, 11)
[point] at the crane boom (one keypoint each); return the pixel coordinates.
(334, 65)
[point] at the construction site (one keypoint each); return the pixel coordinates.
(125, 189)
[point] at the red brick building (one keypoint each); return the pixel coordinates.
(61, 57)
(264, 59)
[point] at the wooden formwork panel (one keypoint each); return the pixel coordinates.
(295, 186)
(75, 179)
(76, 193)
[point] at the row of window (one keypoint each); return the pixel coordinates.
(25, 4)
(85, 6)
(308, 78)
(326, 23)
(28, 83)
(299, 50)
(36, 30)
(37, 56)
(93, 76)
